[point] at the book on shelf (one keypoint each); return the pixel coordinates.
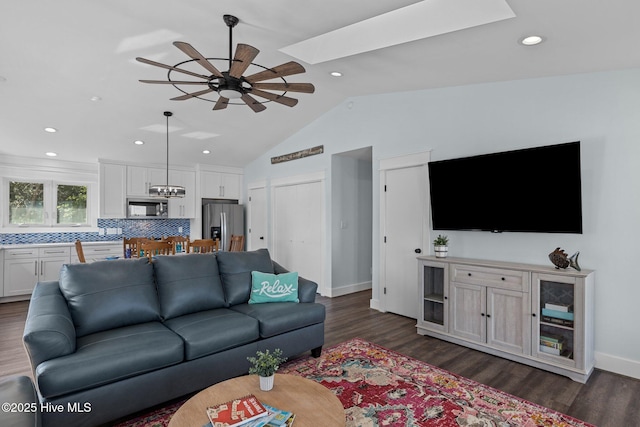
(557, 321)
(550, 350)
(558, 306)
(550, 344)
(236, 412)
(566, 315)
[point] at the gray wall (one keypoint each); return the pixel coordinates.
(602, 110)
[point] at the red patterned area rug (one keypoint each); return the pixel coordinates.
(379, 387)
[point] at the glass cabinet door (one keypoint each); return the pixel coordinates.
(433, 282)
(557, 329)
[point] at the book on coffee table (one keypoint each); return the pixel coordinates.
(236, 412)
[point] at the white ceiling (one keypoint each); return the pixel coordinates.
(56, 55)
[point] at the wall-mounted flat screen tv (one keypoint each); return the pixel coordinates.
(532, 190)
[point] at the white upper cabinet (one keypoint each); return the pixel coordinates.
(184, 207)
(113, 180)
(220, 185)
(140, 178)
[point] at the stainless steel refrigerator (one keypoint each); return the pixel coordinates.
(221, 221)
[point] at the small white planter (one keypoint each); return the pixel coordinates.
(441, 251)
(266, 383)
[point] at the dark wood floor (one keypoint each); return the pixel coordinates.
(607, 400)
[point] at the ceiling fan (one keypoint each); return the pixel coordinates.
(232, 84)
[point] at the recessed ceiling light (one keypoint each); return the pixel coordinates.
(51, 154)
(531, 40)
(336, 74)
(95, 98)
(138, 142)
(51, 130)
(206, 152)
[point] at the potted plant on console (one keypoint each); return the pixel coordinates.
(440, 246)
(265, 365)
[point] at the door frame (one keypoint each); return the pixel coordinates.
(250, 218)
(399, 162)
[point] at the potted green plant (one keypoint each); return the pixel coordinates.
(440, 246)
(265, 365)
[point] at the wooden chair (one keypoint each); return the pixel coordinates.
(236, 244)
(80, 251)
(183, 241)
(133, 243)
(204, 246)
(153, 248)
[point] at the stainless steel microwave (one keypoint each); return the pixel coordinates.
(147, 208)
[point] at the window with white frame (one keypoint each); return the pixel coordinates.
(43, 203)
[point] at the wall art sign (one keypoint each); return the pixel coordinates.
(298, 154)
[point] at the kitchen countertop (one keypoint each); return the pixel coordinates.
(61, 244)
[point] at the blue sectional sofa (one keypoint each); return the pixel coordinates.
(115, 337)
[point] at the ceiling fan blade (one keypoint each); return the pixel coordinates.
(200, 59)
(169, 67)
(280, 99)
(221, 104)
(281, 70)
(287, 87)
(191, 95)
(252, 103)
(244, 56)
(176, 82)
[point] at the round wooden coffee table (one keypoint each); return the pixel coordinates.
(313, 404)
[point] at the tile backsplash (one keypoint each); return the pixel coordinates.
(129, 227)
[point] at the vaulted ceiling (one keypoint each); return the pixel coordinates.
(70, 64)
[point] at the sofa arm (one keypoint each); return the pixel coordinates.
(49, 331)
(306, 288)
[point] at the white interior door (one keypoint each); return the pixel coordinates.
(298, 228)
(257, 219)
(405, 219)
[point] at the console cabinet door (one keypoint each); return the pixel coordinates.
(433, 282)
(467, 312)
(508, 320)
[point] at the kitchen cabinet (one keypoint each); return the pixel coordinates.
(113, 181)
(183, 207)
(99, 251)
(536, 315)
(220, 185)
(24, 267)
(140, 178)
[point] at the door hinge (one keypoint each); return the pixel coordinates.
(385, 290)
(249, 198)
(385, 188)
(385, 239)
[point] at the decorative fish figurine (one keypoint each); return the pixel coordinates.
(560, 259)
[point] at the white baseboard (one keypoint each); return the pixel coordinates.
(349, 289)
(618, 365)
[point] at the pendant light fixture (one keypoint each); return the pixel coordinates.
(165, 190)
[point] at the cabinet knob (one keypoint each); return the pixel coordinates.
(488, 315)
(482, 314)
(418, 251)
(533, 314)
(503, 278)
(446, 297)
(469, 274)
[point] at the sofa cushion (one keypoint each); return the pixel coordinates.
(110, 356)
(213, 331)
(280, 317)
(267, 287)
(188, 284)
(109, 294)
(18, 389)
(235, 271)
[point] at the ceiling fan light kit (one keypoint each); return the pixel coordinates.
(165, 190)
(232, 84)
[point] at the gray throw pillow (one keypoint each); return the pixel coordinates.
(109, 294)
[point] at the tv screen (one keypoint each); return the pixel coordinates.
(531, 190)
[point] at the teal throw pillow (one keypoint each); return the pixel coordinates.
(267, 287)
